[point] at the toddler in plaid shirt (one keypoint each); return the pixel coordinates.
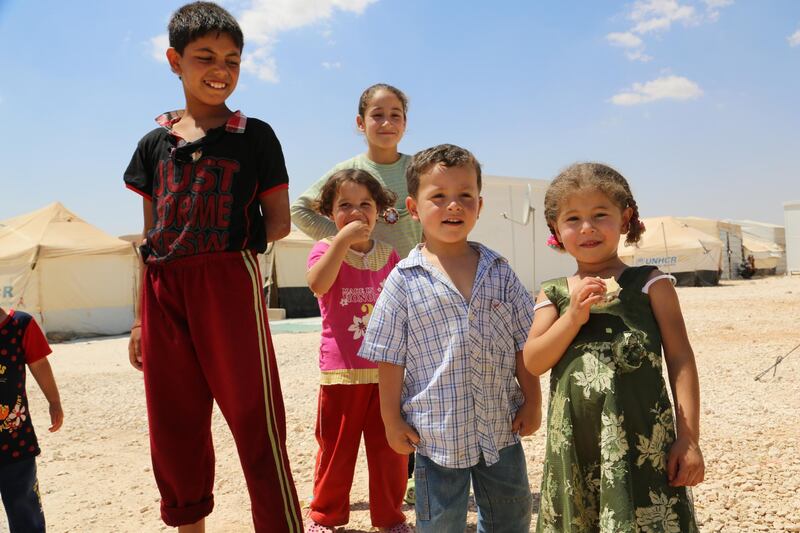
(447, 333)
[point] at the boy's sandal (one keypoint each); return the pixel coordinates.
(411, 493)
(313, 527)
(399, 528)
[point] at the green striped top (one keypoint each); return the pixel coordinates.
(403, 235)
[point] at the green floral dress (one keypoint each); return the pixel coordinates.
(610, 423)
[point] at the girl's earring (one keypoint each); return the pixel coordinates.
(391, 216)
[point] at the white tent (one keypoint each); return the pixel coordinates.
(284, 267)
(764, 231)
(692, 256)
(731, 237)
(791, 215)
(767, 256)
(512, 223)
(73, 278)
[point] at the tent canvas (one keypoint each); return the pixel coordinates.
(791, 215)
(284, 267)
(731, 237)
(766, 254)
(512, 223)
(72, 277)
(764, 231)
(692, 256)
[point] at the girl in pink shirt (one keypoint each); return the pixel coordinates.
(346, 273)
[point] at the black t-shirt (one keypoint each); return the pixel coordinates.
(206, 193)
(21, 343)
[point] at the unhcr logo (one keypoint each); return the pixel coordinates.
(657, 261)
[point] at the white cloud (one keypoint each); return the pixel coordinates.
(336, 65)
(658, 16)
(666, 88)
(264, 20)
(638, 55)
(158, 47)
(626, 40)
(794, 39)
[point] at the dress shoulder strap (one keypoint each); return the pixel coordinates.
(636, 277)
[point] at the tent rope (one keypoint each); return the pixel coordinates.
(774, 366)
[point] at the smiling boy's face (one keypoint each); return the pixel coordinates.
(208, 67)
(448, 203)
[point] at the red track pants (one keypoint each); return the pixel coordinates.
(205, 337)
(344, 412)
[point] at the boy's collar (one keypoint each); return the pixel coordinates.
(235, 124)
(417, 259)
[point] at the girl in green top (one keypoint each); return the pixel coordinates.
(613, 460)
(382, 119)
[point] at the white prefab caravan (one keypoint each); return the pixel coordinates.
(512, 223)
(731, 237)
(791, 216)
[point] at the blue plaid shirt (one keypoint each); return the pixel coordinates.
(459, 393)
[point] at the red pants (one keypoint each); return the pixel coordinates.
(344, 412)
(204, 338)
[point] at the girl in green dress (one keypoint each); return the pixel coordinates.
(613, 460)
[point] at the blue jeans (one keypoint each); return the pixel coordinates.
(501, 491)
(20, 491)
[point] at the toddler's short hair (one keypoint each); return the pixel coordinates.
(198, 19)
(448, 155)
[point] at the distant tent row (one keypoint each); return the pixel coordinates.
(72, 277)
(691, 255)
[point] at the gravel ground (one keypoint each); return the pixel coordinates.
(95, 474)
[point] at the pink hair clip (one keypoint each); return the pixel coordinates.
(552, 242)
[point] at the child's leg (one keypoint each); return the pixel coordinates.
(442, 496)
(20, 490)
(388, 470)
(229, 328)
(179, 401)
(503, 493)
(341, 415)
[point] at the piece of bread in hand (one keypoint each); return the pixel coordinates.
(612, 292)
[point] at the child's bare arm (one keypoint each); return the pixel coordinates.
(43, 374)
(323, 273)
(400, 435)
(685, 465)
(275, 210)
(135, 340)
(529, 417)
(551, 335)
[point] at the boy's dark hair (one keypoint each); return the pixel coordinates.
(448, 155)
(598, 177)
(384, 198)
(369, 92)
(197, 19)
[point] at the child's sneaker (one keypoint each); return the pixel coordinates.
(399, 528)
(411, 493)
(313, 527)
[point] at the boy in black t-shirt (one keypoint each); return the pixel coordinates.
(215, 191)
(21, 343)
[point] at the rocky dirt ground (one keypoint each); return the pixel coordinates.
(95, 474)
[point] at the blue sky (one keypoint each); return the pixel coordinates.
(694, 101)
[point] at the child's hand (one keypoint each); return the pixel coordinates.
(56, 417)
(685, 465)
(586, 293)
(527, 420)
(401, 437)
(355, 231)
(135, 347)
